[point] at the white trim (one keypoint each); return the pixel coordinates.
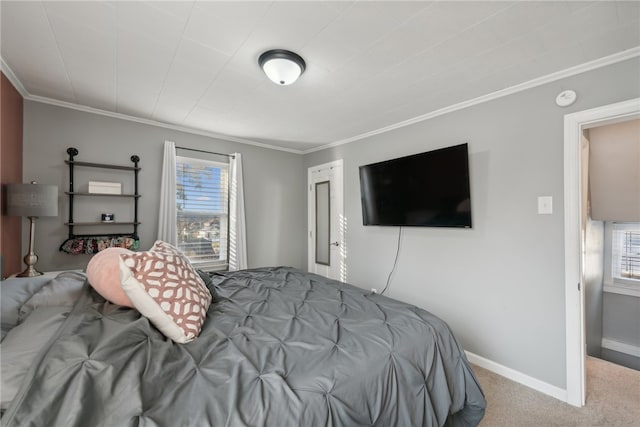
(574, 291)
(549, 78)
(574, 298)
(621, 347)
(519, 377)
(8, 72)
(621, 289)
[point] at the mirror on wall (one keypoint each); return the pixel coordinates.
(323, 228)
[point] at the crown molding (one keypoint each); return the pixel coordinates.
(8, 72)
(549, 78)
(568, 72)
(156, 123)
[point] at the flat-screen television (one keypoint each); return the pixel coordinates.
(429, 189)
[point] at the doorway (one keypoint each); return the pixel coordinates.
(326, 221)
(574, 125)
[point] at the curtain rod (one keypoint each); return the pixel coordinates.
(208, 152)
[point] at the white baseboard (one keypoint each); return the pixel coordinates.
(518, 377)
(621, 347)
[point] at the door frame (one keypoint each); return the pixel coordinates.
(310, 216)
(574, 124)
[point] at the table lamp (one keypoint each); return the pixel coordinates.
(33, 201)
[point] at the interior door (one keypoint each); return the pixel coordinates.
(326, 221)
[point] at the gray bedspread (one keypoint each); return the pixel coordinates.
(279, 348)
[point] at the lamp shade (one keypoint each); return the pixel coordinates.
(33, 199)
(282, 66)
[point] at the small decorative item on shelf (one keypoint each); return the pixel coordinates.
(99, 187)
(108, 217)
(95, 244)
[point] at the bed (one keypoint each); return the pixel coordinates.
(279, 347)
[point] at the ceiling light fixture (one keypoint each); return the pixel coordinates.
(282, 66)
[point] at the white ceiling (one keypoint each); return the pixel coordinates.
(370, 65)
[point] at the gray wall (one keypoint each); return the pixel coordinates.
(274, 193)
(621, 318)
(500, 285)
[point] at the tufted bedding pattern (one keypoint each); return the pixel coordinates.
(279, 348)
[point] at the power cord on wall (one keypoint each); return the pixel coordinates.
(395, 262)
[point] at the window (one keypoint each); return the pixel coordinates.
(625, 260)
(202, 198)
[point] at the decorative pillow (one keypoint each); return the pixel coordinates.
(165, 288)
(103, 273)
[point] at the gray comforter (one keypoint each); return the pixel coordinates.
(279, 348)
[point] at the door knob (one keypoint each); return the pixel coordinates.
(335, 244)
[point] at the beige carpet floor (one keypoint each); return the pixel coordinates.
(613, 400)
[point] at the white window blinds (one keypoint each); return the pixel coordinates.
(202, 202)
(626, 253)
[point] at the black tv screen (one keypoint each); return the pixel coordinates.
(429, 189)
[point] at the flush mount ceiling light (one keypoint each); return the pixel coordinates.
(282, 66)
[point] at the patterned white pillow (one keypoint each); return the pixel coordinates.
(165, 288)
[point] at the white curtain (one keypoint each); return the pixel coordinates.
(237, 225)
(167, 220)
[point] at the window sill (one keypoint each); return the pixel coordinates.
(622, 289)
(210, 268)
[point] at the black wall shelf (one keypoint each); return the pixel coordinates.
(103, 165)
(71, 223)
(101, 194)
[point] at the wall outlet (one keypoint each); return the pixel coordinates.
(374, 291)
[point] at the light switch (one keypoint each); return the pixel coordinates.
(545, 205)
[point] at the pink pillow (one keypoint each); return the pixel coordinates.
(165, 288)
(103, 273)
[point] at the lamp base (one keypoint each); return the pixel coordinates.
(30, 259)
(30, 272)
